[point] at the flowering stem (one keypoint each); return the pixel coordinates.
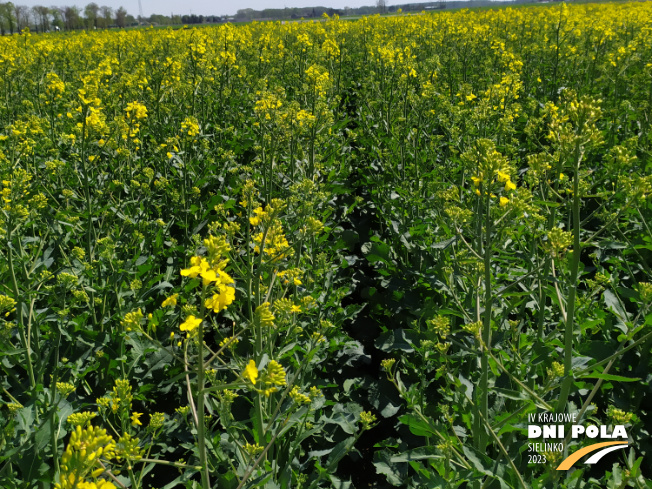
(54, 419)
(313, 131)
(547, 259)
(89, 206)
(110, 474)
(87, 191)
(259, 416)
(190, 398)
(201, 422)
(250, 262)
(572, 293)
(19, 310)
(501, 447)
(257, 462)
(486, 327)
(132, 477)
(515, 379)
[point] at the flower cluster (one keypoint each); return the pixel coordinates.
(214, 278)
(81, 460)
(269, 380)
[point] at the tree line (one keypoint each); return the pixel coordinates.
(15, 18)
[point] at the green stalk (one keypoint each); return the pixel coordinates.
(477, 426)
(259, 401)
(486, 329)
(19, 311)
(487, 426)
(250, 262)
(250, 294)
(201, 420)
(132, 476)
(89, 206)
(313, 135)
(547, 262)
(572, 292)
(259, 336)
(87, 190)
(54, 420)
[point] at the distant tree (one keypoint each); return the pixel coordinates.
(42, 14)
(107, 16)
(91, 12)
(71, 18)
(121, 17)
(192, 19)
(33, 20)
(159, 19)
(245, 14)
(381, 5)
(21, 13)
(7, 19)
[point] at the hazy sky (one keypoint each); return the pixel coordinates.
(201, 7)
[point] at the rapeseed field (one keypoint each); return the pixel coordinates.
(409, 251)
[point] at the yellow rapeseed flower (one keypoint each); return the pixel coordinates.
(135, 419)
(100, 484)
(502, 176)
(170, 301)
(222, 300)
(201, 267)
(260, 214)
(251, 372)
(190, 324)
(198, 266)
(264, 315)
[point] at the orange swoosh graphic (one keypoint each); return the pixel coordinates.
(571, 459)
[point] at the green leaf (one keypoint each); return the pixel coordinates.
(423, 453)
(474, 458)
(340, 484)
(398, 339)
(375, 252)
(42, 436)
(320, 453)
(339, 451)
(395, 472)
(615, 378)
(417, 425)
(510, 394)
(442, 245)
(25, 419)
(613, 304)
(345, 420)
(383, 397)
